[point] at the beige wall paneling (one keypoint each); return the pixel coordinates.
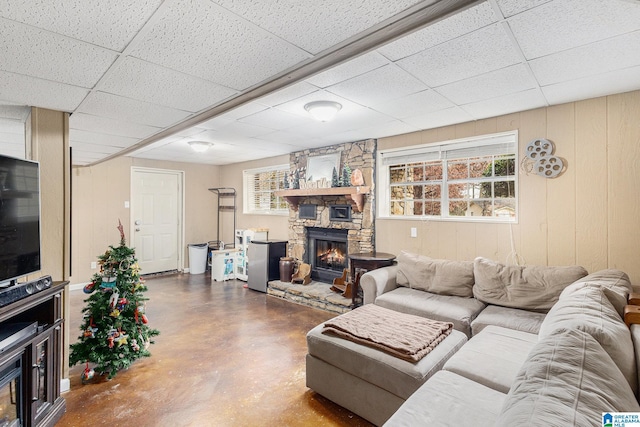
(624, 176)
(532, 210)
(591, 184)
(561, 194)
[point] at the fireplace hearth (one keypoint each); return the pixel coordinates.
(328, 253)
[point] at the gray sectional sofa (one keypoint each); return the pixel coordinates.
(532, 346)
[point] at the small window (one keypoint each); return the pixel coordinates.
(260, 186)
(473, 179)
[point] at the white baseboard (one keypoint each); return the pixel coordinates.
(65, 385)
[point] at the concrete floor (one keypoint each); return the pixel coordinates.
(226, 356)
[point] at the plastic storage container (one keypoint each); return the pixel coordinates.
(197, 258)
(222, 264)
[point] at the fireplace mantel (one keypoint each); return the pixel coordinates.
(354, 194)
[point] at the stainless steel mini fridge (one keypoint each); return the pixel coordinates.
(264, 261)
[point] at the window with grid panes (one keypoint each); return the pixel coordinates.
(260, 186)
(471, 179)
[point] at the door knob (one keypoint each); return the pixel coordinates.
(137, 222)
(137, 228)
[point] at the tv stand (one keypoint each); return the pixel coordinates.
(37, 357)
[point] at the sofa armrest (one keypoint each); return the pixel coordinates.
(377, 282)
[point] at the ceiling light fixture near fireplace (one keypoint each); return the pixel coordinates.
(323, 110)
(200, 146)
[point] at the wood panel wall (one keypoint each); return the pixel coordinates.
(587, 216)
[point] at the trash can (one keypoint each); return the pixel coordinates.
(197, 258)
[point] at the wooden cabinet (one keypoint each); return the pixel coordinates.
(30, 369)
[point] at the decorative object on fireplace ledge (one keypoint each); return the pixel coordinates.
(356, 178)
(302, 275)
(354, 194)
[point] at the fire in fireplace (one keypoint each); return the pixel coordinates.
(327, 253)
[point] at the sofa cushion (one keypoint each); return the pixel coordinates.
(493, 357)
(375, 366)
(568, 379)
(512, 318)
(590, 311)
(439, 276)
(616, 282)
(458, 310)
(449, 400)
(526, 287)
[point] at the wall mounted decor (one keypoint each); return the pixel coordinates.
(541, 160)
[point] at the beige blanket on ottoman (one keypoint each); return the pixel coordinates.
(402, 335)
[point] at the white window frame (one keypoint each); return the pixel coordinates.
(248, 193)
(467, 147)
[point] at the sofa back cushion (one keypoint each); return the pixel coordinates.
(525, 287)
(589, 310)
(567, 379)
(444, 277)
(615, 283)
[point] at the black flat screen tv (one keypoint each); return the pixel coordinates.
(19, 218)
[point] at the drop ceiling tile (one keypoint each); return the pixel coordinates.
(88, 137)
(202, 39)
(382, 84)
(395, 127)
(120, 108)
(513, 79)
(237, 130)
(275, 119)
(40, 93)
(93, 148)
(484, 50)
(106, 125)
(506, 104)
(242, 111)
(439, 118)
(344, 121)
(315, 26)
(596, 58)
(593, 86)
(425, 102)
(13, 112)
(561, 25)
(109, 24)
(287, 94)
(296, 106)
(448, 29)
(137, 79)
(215, 123)
(347, 70)
(513, 7)
(37, 53)
(276, 148)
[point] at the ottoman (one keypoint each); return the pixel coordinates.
(368, 381)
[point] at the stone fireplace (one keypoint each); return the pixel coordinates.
(352, 227)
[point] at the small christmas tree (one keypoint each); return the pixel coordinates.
(114, 331)
(335, 182)
(346, 176)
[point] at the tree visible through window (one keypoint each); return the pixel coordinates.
(260, 186)
(446, 181)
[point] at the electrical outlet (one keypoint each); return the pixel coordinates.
(94, 265)
(414, 232)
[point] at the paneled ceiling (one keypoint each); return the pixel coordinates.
(144, 77)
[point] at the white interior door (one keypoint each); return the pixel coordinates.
(156, 218)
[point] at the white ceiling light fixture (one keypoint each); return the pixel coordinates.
(200, 146)
(323, 110)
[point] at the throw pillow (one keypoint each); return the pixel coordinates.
(615, 282)
(526, 287)
(444, 277)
